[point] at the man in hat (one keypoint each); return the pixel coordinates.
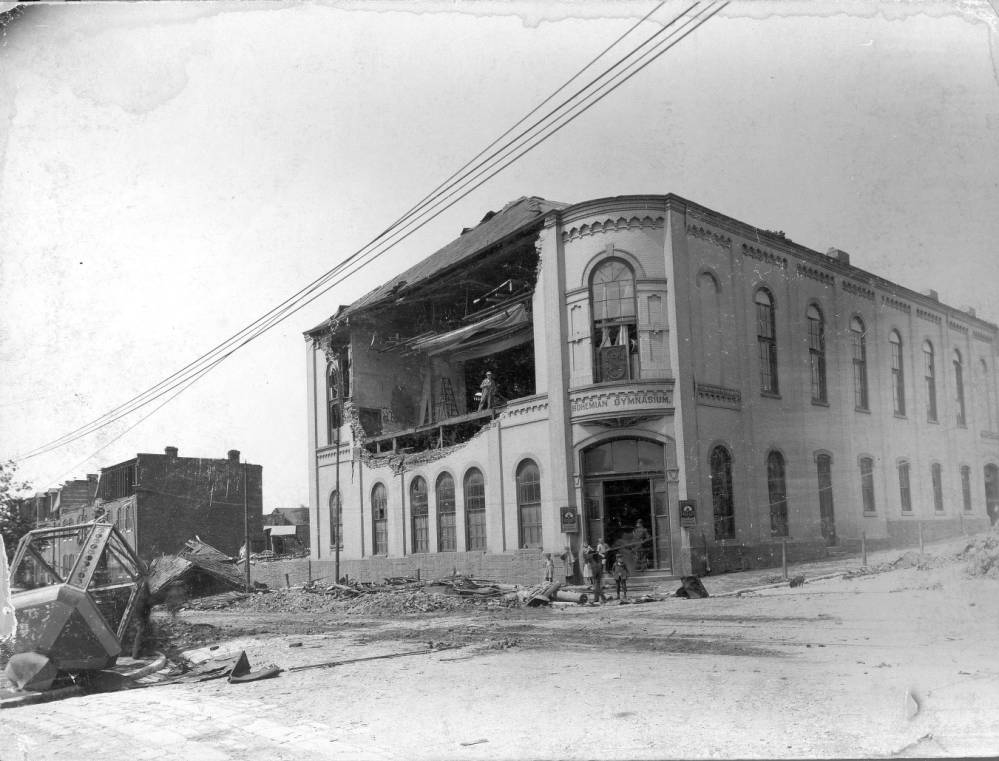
(488, 387)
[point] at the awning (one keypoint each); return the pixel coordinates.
(281, 530)
(456, 340)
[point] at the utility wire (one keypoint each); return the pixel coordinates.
(296, 302)
(294, 308)
(141, 399)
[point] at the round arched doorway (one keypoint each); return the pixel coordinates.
(626, 500)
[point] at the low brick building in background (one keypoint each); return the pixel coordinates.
(287, 529)
(159, 501)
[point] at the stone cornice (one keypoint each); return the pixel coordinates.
(815, 273)
(710, 395)
(922, 314)
(611, 224)
(901, 306)
(958, 327)
(704, 233)
(858, 290)
(763, 255)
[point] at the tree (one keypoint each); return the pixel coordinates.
(12, 524)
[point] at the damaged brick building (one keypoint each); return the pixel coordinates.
(652, 360)
(159, 501)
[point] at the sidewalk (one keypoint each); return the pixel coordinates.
(727, 583)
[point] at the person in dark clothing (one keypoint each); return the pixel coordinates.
(620, 574)
(596, 563)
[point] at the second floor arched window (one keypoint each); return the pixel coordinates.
(897, 373)
(615, 321)
(817, 353)
(858, 344)
(930, 376)
(962, 419)
(766, 339)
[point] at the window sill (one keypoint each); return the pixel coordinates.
(865, 410)
(962, 425)
(870, 514)
(819, 403)
(901, 416)
(933, 421)
(770, 395)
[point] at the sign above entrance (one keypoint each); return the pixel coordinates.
(569, 519)
(622, 400)
(688, 513)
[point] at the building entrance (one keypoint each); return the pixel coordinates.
(625, 501)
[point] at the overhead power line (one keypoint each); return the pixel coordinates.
(460, 184)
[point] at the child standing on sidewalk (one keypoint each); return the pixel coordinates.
(620, 574)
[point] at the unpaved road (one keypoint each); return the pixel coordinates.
(900, 663)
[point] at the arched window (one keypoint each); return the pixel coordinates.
(766, 336)
(721, 493)
(827, 516)
(959, 389)
(817, 353)
(710, 352)
(529, 504)
(867, 484)
(475, 510)
(858, 341)
(904, 487)
(897, 373)
(336, 521)
(936, 475)
(379, 519)
(334, 394)
(420, 515)
(930, 375)
(983, 392)
(966, 488)
(777, 491)
(992, 492)
(446, 539)
(615, 327)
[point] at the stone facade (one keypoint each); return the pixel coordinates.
(678, 359)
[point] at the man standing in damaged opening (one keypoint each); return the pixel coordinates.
(488, 387)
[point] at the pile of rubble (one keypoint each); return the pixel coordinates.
(982, 556)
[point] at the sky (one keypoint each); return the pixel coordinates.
(171, 171)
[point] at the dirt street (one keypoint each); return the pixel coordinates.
(899, 663)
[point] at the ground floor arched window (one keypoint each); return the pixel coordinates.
(721, 493)
(475, 510)
(379, 519)
(777, 491)
(529, 504)
(418, 509)
(447, 540)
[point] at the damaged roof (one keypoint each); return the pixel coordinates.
(514, 218)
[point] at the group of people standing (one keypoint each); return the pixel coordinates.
(599, 561)
(595, 562)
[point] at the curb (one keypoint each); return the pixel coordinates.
(150, 668)
(40, 697)
(778, 584)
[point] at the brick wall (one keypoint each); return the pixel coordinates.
(178, 498)
(517, 567)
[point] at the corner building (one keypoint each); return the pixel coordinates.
(651, 356)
